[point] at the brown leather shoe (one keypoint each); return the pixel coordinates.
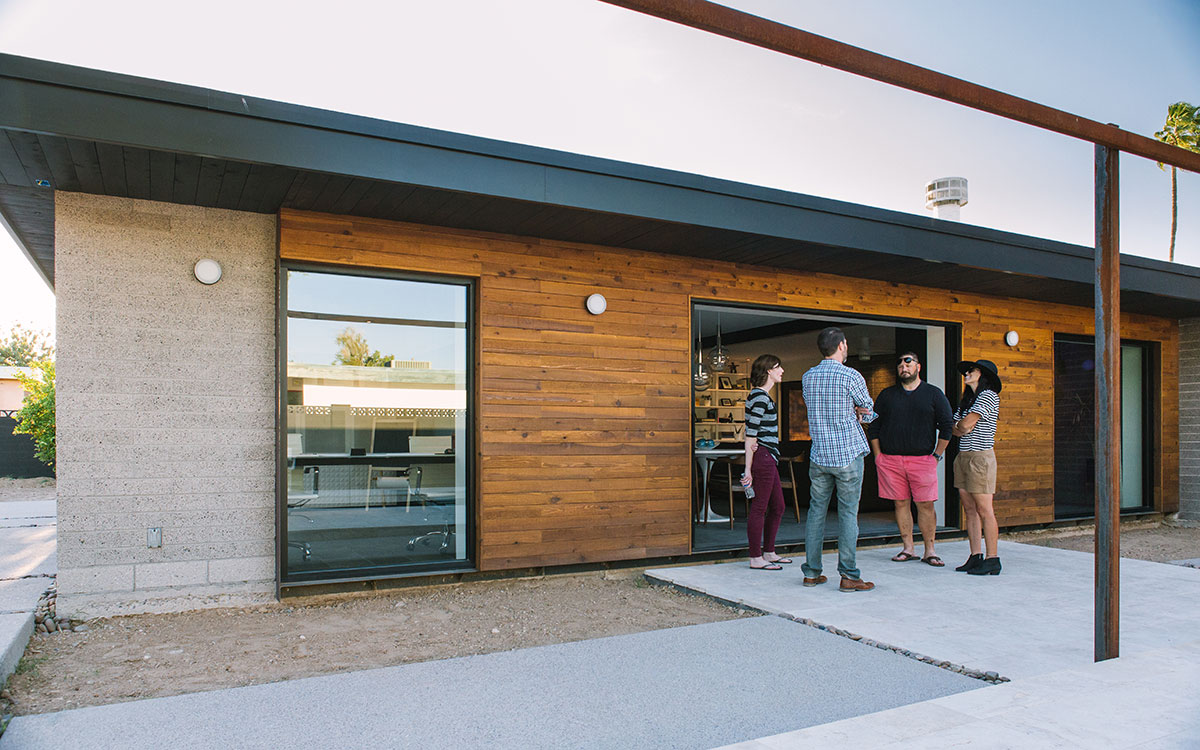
(815, 581)
(849, 584)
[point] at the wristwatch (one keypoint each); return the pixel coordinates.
(938, 456)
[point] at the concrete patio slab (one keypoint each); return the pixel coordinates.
(15, 630)
(30, 511)
(28, 551)
(1146, 700)
(28, 560)
(22, 594)
(1034, 618)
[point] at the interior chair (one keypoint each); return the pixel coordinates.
(444, 533)
(787, 479)
(440, 487)
(734, 486)
(309, 491)
(394, 479)
(698, 488)
(431, 444)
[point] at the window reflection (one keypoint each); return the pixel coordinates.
(376, 424)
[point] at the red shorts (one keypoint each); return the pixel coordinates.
(907, 477)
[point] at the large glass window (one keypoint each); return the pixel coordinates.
(1075, 427)
(376, 424)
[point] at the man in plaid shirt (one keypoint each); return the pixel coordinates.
(836, 397)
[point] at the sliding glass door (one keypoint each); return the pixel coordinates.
(726, 338)
(376, 424)
(1075, 426)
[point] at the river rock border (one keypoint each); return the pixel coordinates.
(46, 618)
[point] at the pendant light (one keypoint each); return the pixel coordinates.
(701, 375)
(718, 358)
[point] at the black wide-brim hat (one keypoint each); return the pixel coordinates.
(987, 367)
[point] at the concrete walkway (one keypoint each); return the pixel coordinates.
(1032, 624)
(27, 567)
(688, 687)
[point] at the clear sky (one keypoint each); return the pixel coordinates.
(587, 77)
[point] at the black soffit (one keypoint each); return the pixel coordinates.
(180, 144)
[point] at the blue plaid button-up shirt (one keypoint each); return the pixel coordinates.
(831, 391)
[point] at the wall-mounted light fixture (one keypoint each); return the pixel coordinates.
(207, 271)
(596, 304)
(1011, 338)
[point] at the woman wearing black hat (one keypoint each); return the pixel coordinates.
(975, 467)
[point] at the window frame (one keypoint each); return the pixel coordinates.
(468, 453)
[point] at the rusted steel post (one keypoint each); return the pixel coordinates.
(1108, 406)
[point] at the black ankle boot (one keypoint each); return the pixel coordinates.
(989, 567)
(971, 563)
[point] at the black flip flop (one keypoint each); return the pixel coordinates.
(768, 566)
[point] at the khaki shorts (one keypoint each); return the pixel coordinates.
(975, 472)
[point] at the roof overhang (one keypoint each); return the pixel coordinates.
(159, 141)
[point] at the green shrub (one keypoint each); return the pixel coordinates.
(36, 415)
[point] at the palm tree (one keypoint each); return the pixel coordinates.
(1183, 130)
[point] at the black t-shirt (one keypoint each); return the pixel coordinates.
(910, 422)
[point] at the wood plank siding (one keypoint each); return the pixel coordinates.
(584, 421)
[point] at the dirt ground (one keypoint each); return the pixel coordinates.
(142, 656)
(38, 488)
(1155, 542)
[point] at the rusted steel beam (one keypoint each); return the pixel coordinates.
(761, 32)
(1108, 406)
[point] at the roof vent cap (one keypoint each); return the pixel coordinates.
(946, 195)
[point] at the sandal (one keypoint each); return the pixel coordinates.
(933, 560)
(905, 557)
(768, 566)
(780, 560)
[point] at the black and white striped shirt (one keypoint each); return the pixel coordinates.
(983, 436)
(762, 421)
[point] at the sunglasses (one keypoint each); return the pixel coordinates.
(906, 360)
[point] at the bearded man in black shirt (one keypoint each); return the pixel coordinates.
(908, 439)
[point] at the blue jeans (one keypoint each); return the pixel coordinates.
(848, 480)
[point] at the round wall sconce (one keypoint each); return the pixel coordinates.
(207, 271)
(1011, 338)
(596, 304)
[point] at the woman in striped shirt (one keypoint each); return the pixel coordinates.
(762, 464)
(975, 467)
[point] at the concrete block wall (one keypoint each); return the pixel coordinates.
(166, 406)
(1189, 419)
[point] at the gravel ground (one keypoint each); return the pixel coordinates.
(1155, 542)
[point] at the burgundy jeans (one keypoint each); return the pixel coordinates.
(766, 509)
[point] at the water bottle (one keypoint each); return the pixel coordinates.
(749, 488)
